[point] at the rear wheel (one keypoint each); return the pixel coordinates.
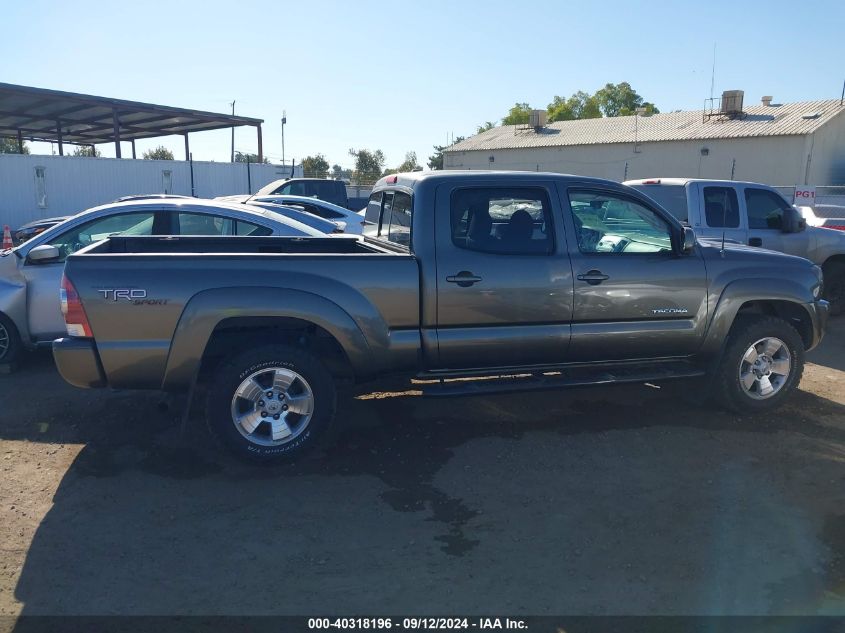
(834, 287)
(270, 403)
(10, 341)
(762, 364)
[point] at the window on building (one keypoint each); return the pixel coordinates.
(41, 187)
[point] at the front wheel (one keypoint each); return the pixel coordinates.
(762, 363)
(270, 404)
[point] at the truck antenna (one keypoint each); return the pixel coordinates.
(724, 222)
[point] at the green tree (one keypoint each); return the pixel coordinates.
(86, 150)
(581, 105)
(241, 157)
(315, 166)
(9, 145)
(340, 173)
(159, 153)
(368, 165)
(487, 125)
(519, 114)
(435, 161)
(621, 100)
(410, 163)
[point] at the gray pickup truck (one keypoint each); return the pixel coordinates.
(506, 281)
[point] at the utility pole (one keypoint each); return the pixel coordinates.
(233, 133)
(284, 120)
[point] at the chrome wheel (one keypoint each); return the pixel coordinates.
(272, 406)
(764, 368)
(5, 341)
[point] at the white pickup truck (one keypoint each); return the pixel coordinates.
(753, 214)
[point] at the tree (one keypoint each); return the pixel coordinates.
(86, 150)
(487, 125)
(621, 100)
(581, 105)
(410, 163)
(159, 153)
(315, 166)
(9, 145)
(519, 114)
(340, 173)
(368, 165)
(240, 157)
(435, 161)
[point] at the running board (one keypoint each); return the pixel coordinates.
(560, 379)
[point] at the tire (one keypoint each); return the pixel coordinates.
(259, 427)
(834, 287)
(735, 372)
(10, 340)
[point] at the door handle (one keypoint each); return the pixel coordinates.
(755, 241)
(464, 279)
(593, 277)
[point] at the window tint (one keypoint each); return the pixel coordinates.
(204, 224)
(395, 225)
(126, 223)
(721, 208)
(515, 221)
(765, 209)
(673, 198)
(373, 208)
(608, 223)
(246, 228)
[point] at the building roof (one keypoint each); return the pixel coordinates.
(51, 115)
(775, 120)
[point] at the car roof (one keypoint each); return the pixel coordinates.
(410, 179)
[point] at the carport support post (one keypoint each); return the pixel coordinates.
(59, 137)
(133, 148)
(260, 145)
(187, 148)
(20, 142)
(116, 123)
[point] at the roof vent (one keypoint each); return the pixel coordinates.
(767, 101)
(732, 103)
(538, 119)
(811, 115)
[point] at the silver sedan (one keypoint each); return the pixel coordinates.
(30, 275)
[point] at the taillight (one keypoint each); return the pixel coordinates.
(76, 322)
(651, 182)
(836, 227)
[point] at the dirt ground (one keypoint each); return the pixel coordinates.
(620, 500)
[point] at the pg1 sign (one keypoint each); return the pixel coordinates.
(804, 196)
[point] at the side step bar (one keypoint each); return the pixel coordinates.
(578, 377)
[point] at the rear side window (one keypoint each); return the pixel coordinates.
(373, 208)
(721, 208)
(673, 198)
(395, 224)
(508, 221)
(204, 224)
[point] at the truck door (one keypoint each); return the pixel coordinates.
(504, 280)
(635, 297)
(719, 213)
(765, 210)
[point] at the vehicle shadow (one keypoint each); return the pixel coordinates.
(831, 351)
(617, 500)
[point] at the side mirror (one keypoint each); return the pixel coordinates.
(43, 254)
(688, 241)
(793, 221)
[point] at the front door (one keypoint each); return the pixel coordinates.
(504, 281)
(635, 298)
(765, 211)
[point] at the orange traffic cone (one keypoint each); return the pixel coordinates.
(7, 237)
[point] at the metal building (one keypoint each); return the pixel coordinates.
(777, 144)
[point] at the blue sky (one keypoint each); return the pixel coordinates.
(403, 76)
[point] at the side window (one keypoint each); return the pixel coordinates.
(508, 221)
(81, 236)
(373, 208)
(608, 223)
(721, 208)
(765, 209)
(399, 229)
(204, 224)
(247, 228)
(292, 189)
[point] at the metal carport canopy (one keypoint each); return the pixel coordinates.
(38, 114)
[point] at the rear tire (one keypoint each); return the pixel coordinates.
(10, 340)
(834, 287)
(761, 365)
(270, 404)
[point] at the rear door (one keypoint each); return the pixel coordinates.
(719, 213)
(504, 281)
(634, 297)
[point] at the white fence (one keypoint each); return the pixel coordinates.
(33, 186)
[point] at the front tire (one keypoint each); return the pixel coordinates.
(10, 340)
(270, 404)
(761, 365)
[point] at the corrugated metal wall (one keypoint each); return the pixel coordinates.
(73, 184)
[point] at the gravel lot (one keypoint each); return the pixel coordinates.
(624, 500)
